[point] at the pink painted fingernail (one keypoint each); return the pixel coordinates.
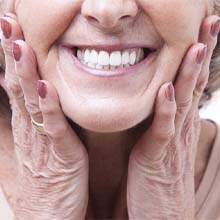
(42, 89)
(6, 28)
(201, 54)
(215, 28)
(16, 51)
(170, 93)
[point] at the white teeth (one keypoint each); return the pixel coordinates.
(110, 61)
(93, 57)
(115, 58)
(125, 58)
(87, 56)
(112, 67)
(79, 54)
(92, 65)
(132, 58)
(103, 58)
(99, 67)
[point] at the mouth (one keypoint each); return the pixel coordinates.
(111, 60)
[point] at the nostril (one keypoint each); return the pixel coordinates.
(125, 16)
(91, 18)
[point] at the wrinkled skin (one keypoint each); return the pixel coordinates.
(173, 35)
(49, 166)
(164, 27)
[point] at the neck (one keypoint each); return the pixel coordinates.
(108, 163)
(114, 144)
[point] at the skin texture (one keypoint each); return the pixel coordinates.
(173, 39)
(89, 96)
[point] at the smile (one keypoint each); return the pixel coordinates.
(110, 60)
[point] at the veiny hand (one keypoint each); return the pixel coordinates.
(161, 166)
(52, 167)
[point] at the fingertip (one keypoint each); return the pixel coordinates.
(167, 92)
(47, 94)
(42, 89)
(170, 92)
(166, 104)
(11, 29)
(55, 123)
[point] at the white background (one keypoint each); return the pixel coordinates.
(212, 110)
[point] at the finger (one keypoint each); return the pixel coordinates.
(186, 81)
(66, 144)
(11, 15)
(162, 129)
(209, 33)
(11, 31)
(26, 68)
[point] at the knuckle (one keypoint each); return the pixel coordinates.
(14, 88)
(190, 75)
(49, 110)
(167, 115)
(186, 137)
(182, 107)
(57, 131)
(32, 108)
(7, 48)
(163, 136)
(201, 84)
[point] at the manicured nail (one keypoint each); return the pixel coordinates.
(6, 28)
(170, 93)
(42, 89)
(16, 51)
(201, 55)
(215, 28)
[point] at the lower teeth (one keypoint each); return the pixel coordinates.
(100, 67)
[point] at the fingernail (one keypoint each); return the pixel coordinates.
(16, 51)
(201, 55)
(215, 28)
(6, 28)
(170, 93)
(42, 89)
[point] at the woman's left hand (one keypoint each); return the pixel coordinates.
(160, 181)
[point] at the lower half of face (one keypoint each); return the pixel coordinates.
(101, 102)
(115, 97)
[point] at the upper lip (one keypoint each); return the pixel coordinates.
(112, 47)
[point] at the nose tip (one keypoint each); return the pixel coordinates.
(109, 13)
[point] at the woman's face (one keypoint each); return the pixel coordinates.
(101, 103)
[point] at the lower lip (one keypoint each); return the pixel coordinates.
(111, 73)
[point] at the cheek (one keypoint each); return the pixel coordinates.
(44, 21)
(177, 21)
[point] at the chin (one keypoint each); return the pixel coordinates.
(114, 118)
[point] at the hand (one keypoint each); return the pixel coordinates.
(52, 167)
(161, 166)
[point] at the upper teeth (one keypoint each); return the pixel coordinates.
(105, 60)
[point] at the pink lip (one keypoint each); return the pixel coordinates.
(121, 71)
(112, 47)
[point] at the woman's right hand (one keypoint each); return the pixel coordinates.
(52, 167)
